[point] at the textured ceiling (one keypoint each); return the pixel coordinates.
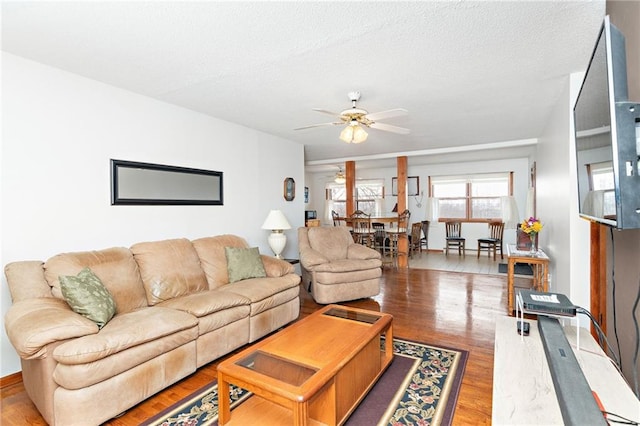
(469, 73)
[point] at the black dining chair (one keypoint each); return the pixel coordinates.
(493, 241)
(454, 238)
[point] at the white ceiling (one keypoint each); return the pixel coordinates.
(473, 74)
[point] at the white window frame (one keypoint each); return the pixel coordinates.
(468, 197)
(331, 203)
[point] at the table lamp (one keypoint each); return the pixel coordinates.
(276, 222)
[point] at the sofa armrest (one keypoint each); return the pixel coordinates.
(34, 323)
(276, 267)
(310, 258)
(359, 251)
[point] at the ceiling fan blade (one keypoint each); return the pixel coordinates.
(387, 114)
(324, 111)
(390, 128)
(319, 125)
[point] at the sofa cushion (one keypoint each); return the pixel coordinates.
(265, 293)
(206, 302)
(212, 257)
(359, 251)
(124, 332)
(348, 265)
(87, 296)
(347, 276)
(127, 341)
(116, 268)
(169, 268)
(238, 315)
(243, 263)
(118, 366)
(214, 308)
(331, 242)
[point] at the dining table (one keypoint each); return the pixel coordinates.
(380, 217)
(392, 232)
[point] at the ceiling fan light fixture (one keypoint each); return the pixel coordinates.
(340, 178)
(356, 119)
(353, 133)
(346, 135)
(359, 135)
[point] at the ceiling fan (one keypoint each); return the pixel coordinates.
(355, 118)
(339, 177)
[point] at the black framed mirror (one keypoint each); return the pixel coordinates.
(135, 183)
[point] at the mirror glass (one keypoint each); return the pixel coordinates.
(144, 183)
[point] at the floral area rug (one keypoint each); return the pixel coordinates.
(420, 388)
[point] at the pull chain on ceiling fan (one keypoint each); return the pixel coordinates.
(356, 118)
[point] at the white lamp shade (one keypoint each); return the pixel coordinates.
(276, 221)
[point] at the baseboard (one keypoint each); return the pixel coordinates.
(10, 380)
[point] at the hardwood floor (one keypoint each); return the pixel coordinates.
(436, 307)
(470, 263)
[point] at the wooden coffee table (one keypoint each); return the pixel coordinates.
(313, 372)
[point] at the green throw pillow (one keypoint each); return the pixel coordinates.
(243, 263)
(87, 296)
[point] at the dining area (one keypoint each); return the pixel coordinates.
(391, 234)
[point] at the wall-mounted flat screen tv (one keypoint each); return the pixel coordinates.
(607, 137)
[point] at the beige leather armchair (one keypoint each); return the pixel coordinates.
(334, 268)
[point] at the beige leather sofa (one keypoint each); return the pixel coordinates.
(175, 311)
(335, 268)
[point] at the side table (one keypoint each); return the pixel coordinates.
(539, 261)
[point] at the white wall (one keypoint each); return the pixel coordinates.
(59, 131)
(471, 231)
(565, 236)
(580, 229)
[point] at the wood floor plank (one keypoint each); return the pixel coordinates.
(436, 307)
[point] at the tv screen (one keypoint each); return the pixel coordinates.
(607, 137)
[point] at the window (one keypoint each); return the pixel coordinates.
(369, 196)
(601, 180)
(471, 198)
(601, 176)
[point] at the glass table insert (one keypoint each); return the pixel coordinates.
(285, 370)
(352, 315)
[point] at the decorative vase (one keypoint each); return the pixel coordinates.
(533, 249)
